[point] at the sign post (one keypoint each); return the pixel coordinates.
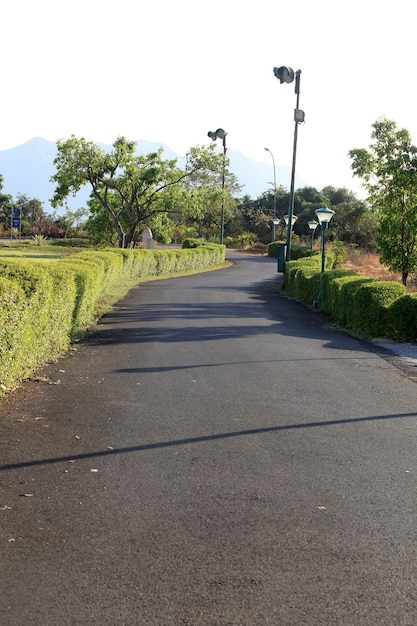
(16, 222)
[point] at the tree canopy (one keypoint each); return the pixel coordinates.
(389, 171)
(131, 189)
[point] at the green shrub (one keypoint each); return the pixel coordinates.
(372, 307)
(192, 243)
(339, 295)
(299, 252)
(43, 306)
(338, 249)
(402, 318)
(41, 302)
(371, 303)
(75, 242)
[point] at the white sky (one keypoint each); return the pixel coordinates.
(171, 70)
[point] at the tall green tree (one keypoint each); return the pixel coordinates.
(206, 197)
(128, 187)
(389, 171)
(31, 212)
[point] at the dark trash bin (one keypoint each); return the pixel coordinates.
(281, 256)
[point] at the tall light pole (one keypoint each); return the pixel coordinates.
(275, 195)
(221, 134)
(287, 75)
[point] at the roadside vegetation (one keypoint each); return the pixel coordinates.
(46, 304)
(62, 267)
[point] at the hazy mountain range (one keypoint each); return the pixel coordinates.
(27, 170)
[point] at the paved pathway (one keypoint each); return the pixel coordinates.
(212, 454)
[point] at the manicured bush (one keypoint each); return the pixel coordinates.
(372, 307)
(43, 306)
(297, 251)
(75, 242)
(339, 294)
(192, 243)
(402, 318)
(371, 304)
(36, 305)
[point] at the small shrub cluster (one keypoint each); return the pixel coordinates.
(45, 306)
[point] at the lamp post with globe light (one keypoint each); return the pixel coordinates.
(324, 215)
(312, 224)
(274, 219)
(289, 223)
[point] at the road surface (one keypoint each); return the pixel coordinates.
(212, 454)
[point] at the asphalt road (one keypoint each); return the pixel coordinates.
(212, 454)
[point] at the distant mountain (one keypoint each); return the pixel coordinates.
(27, 170)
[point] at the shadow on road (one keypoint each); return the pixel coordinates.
(202, 439)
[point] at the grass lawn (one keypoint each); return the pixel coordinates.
(31, 250)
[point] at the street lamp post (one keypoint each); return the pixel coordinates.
(275, 223)
(287, 75)
(312, 224)
(275, 195)
(221, 134)
(289, 220)
(324, 215)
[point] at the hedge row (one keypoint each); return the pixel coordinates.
(44, 306)
(297, 251)
(375, 308)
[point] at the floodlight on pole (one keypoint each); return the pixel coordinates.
(287, 75)
(221, 134)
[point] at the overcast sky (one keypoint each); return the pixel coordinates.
(171, 70)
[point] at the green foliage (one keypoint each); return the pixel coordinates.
(402, 318)
(338, 289)
(339, 252)
(43, 306)
(273, 248)
(299, 252)
(39, 239)
(389, 172)
(40, 301)
(74, 242)
(374, 308)
(371, 303)
(192, 243)
(130, 189)
(294, 273)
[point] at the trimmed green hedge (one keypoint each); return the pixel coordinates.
(375, 308)
(402, 318)
(46, 305)
(297, 251)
